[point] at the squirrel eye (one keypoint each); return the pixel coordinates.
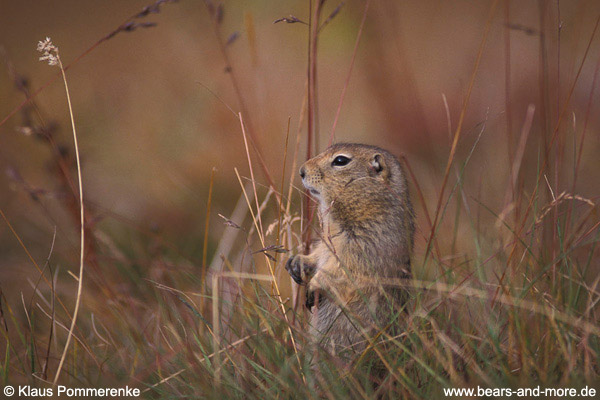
(340, 161)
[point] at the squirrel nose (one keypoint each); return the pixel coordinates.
(302, 172)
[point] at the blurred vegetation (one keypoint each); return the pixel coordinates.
(506, 287)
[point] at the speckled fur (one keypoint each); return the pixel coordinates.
(366, 239)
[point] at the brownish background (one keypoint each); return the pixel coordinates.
(150, 132)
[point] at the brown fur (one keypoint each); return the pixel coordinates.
(367, 235)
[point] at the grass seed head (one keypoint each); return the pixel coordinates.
(49, 51)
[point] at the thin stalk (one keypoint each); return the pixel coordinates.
(206, 226)
(352, 62)
(458, 131)
(82, 230)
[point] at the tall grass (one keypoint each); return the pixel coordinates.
(504, 294)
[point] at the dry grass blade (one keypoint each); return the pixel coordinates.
(303, 108)
(415, 182)
(544, 165)
(353, 60)
(206, 226)
(217, 14)
(275, 284)
(458, 131)
(216, 329)
(518, 158)
(585, 124)
(168, 378)
(49, 52)
(547, 310)
(331, 16)
(259, 227)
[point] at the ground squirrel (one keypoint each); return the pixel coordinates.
(366, 242)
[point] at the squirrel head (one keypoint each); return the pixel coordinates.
(359, 187)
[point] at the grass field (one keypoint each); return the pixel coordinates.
(175, 130)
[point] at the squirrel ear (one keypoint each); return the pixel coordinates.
(379, 166)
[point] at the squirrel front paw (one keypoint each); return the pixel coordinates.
(299, 269)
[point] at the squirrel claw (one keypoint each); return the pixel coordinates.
(310, 300)
(294, 268)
